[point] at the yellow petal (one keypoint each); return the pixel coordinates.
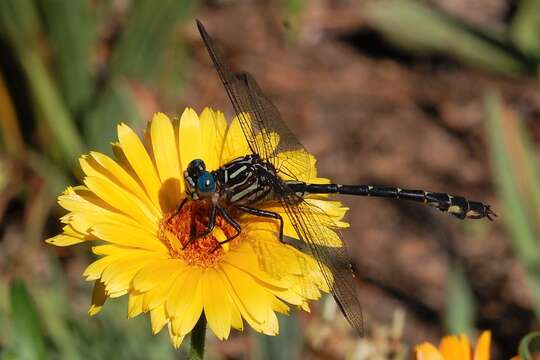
(426, 351)
(185, 304)
(110, 249)
(64, 240)
(190, 138)
(116, 174)
(270, 325)
(116, 294)
(280, 307)
(213, 128)
(158, 295)
(216, 304)
(235, 143)
(158, 318)
(124, 178)
(140, 162)
(251, 299)
(121, 200)
(135, 305)
(333, 209)
(82, 222)
(155, 272)
(455, 348)
(167, 161)
(326, 236)
(175, 339)
(95, 269)
(250, 263)
(482, 350)
(98, 298)
(118, 276)
(236, 317)
(129, 236)
(296, 165)
(87, 209)
(83, 199)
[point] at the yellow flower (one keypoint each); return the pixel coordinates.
(455, 348)
(129, 207)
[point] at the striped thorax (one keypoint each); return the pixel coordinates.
(243, 181)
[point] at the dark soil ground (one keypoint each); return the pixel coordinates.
(374, 114)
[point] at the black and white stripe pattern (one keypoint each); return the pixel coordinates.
(245, 181)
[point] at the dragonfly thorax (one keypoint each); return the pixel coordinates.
(246, 180)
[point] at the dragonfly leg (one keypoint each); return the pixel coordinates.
(209, 228)
(180, 206)
(266, 214)
(231, 222)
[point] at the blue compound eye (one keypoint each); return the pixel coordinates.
(206, 182)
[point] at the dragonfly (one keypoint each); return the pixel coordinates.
(269, 174)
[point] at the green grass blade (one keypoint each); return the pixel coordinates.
(70, 28)
(418, 27)
(171, 81)
(54, 305)
(516, 215)
(529, 346)
(20, 25)
(286, 345)
(19, 22)
(149, 29)
(460, 307)
(28, 337)
(49, 103)
(528, 173)
(525, 28)
(113, 106)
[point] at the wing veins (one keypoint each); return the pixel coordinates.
(333, 261)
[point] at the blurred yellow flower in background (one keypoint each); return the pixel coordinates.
(455, 348)
(129, 206)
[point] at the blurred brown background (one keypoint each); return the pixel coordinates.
(373, 113)
(382, 92)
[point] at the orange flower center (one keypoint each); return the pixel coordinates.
(180, 231)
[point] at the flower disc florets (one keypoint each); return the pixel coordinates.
(179, 230)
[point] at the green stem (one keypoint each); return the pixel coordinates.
(197, 339)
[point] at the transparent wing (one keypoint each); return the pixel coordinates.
(311, 224)
(257, 115)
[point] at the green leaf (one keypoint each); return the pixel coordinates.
(149, 29)
(51, 107)
(504, 133)
(55, 179)
(525, 28)
(71, 32)
(20, 25)
(28, 337)
(19, 22)
(460, 306)
(55, 310)
(420, 28)
(170, 83)
(114, 105)
(529, 345)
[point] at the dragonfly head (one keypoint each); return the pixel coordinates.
(199, 182)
